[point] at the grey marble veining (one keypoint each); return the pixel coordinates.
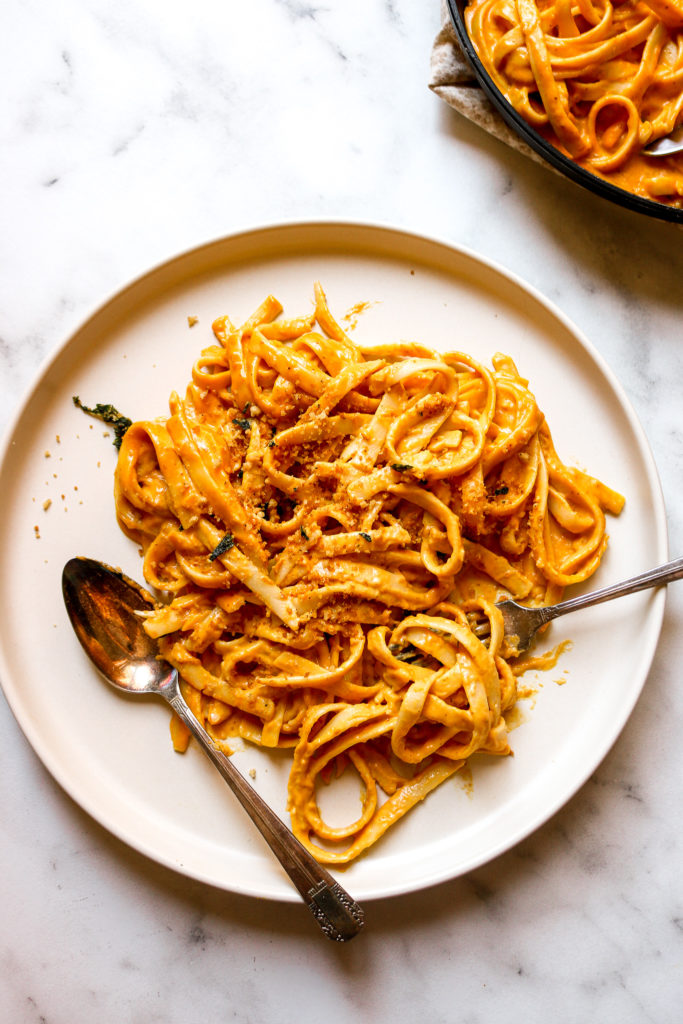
(132, 130)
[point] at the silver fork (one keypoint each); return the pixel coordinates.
(521, 624)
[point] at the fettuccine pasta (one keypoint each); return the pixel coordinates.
(599, 79)
(324, 520)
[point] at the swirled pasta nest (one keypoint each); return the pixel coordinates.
(322, 520)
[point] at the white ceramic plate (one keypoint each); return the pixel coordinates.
(113, 755)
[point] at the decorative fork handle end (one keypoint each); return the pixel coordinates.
(339, 916)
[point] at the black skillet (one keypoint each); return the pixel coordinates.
(538, 143)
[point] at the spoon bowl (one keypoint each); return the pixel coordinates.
(106, 610)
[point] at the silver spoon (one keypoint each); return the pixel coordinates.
(104, 607)
(667, 144)
(521, 623)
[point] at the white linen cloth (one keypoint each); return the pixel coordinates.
(452, 79)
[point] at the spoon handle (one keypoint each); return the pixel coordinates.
(338, 915)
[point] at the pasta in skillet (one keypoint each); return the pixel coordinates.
(599, 79)
(325, 519)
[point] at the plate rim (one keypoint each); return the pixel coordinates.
(324, 227)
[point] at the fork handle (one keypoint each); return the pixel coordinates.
(662, 574)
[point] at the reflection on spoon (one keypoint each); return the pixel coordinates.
(104, 607)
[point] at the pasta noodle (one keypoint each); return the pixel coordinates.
(325, 519)
(599, 79)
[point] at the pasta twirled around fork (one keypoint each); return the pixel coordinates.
(323, 519)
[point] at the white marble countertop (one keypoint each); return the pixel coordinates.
(132, 130)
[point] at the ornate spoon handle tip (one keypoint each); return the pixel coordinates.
(339, 916)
